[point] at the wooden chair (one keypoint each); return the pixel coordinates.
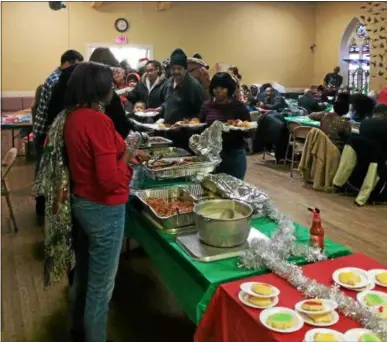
(296, 140)
(6, 165)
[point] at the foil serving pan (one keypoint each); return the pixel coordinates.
(199, 167)
(163, 142)
(173, 193)
(167, 152)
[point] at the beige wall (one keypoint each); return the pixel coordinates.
(267, 41)
(332, 18)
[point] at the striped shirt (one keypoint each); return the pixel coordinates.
(40, 123)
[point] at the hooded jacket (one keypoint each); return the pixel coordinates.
(197, 68)
(152, 97)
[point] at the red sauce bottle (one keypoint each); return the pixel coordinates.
(316, 230)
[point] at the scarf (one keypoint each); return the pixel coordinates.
(53, 182)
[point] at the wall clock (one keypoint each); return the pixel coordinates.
(121, 25)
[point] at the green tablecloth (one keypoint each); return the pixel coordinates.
(193, 282)
(305, 121)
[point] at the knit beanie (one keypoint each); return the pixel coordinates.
(383, 96)
(178, 57)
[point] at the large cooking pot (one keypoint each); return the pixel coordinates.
(223, 222)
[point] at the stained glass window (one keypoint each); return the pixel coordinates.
(361, 31)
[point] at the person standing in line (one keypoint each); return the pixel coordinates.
(333, 80)
(40, 125)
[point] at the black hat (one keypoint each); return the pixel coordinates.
(223, 80)
(178, 57)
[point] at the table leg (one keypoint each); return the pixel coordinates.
(13, 137)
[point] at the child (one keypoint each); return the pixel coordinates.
(139, 106)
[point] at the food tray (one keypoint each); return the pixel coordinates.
(151, 143)
(167, 152)
(176, 220)
(201, 167)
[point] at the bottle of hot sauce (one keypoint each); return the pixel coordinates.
(316, 230)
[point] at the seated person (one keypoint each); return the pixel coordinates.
(252, 98)
(320, 95)
(362, 107)
(375, 129)
(272, 101)
(309, 103)
(337, 128)
(225, 107)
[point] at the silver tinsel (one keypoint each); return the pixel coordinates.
(273, 254)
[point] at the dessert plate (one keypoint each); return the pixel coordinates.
(364, 279)
(335, 319)
(243, 297)
(374, 273)
(309, 336)
(246, 288)
(328, 307)
(298, 321)
(361, 297)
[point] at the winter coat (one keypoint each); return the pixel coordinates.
(153, 98)
(197, 69)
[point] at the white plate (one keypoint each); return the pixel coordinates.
(264, 315)
(353, 335)
(246, 288)
(364, 279)
(201, 124)
(374, 273)
(146, 114)
(361, 297)
(335, 319)
(328, 305)
(309, 336)
(243, 297)
(253, 125)
(370, 286)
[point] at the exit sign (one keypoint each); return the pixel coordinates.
(121, 40)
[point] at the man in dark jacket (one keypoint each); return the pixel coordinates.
(151, 88)
(309, 103)
(184, 94)
(333, 79)
(272, 101)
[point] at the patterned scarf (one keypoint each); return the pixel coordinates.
(53, 182)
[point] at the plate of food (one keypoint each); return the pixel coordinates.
(281, 320)
(361, 335)
(259, 289)
(195, 122)
(324, 335)
(257, 302)
(379, 276)
(240, 125)
(146, 114)
(372, 298)
(315, 306)
(321, 319)
(351, 277)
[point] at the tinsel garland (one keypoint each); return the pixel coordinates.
(273, 254)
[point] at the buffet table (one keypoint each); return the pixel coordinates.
(193, 282)
(228, 320)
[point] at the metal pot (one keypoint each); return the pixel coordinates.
(216, 230)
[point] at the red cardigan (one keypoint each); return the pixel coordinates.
(95, 149)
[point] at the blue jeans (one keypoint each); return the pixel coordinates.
(100, 234)
(233, 163)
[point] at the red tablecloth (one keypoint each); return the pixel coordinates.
(228, 320)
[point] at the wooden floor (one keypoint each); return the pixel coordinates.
(33, 314)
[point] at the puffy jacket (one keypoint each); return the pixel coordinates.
(197, 69)
(153, 98)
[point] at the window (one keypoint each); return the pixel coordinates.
(359, 59)
(128, 52)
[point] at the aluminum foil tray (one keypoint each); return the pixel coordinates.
(177, 220)
(168, 152)
(200, 167)
(163, 142)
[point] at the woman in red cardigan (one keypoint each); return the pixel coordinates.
(98, 163)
